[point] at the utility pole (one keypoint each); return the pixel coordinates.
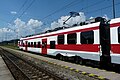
(113, 9)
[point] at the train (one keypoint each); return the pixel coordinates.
(96, 40)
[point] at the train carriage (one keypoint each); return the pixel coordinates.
(115, 40)
(97, 41)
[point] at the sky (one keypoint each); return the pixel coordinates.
(19, 18)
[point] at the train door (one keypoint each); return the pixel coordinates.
(105, 58)
(26, 46)
(44, 46)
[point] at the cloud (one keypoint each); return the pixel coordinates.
(31, 23)
(106, 17)
(19, 23)
(19, 29)
(27, 28)
(70, 22)
(5, 30)
(47, 28)
(54, 25)
(6, 34)
(91, 17)
(13, 12)
(24, 28)
(34, 23)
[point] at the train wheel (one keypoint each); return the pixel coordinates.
(63, 58)
(80, 61)
(59, 56)
(66, 58)
(77, 59)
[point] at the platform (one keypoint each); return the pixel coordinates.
(102, 73)
(5, 74)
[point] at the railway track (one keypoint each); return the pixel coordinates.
(24, 70)
(39, 69)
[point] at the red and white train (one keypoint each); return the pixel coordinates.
(97, 41)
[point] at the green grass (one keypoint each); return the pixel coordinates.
(12, 46)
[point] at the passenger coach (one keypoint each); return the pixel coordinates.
(97, 40)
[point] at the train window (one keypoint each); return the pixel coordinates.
(28, 44)
(52, 44)
(87, 37)
(31, 44)
(34, 44)
(39, 44)
(60, 39)
(23, 44)
(44, 44)
(71, 38)
(119, 34)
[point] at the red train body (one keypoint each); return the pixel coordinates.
(98, 41)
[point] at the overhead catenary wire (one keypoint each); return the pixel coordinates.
(94, 4)
(27, 8)
(19, 10)
(22, 12)
(10, 21)
(98, 2)
(62, 8)
(102, 8)
(66, 6)
(71, 4)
